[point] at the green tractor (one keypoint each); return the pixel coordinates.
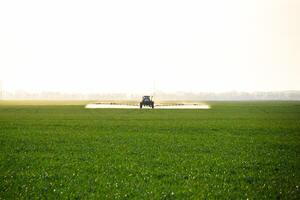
(147, 101)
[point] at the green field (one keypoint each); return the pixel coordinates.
(236, 150)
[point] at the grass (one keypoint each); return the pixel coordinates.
(236, 150)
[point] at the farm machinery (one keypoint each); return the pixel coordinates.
(147, 101)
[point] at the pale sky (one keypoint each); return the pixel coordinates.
(130, 46)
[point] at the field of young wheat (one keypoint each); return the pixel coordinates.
(235, 150)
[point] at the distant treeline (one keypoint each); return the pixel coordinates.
(281, 95)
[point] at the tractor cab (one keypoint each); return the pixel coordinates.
(146, 98)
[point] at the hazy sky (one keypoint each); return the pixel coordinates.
(127, 46)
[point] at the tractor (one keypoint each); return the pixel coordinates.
(147, 101)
